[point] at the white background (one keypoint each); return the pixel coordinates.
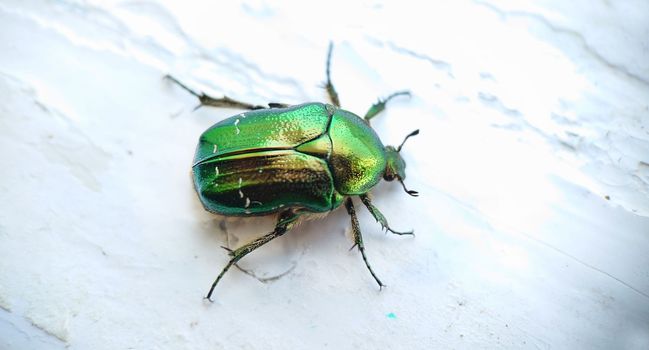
(532, 226)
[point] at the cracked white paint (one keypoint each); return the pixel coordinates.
(532, 164)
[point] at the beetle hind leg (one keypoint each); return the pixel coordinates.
(379, 106)
(358, 238)
(206, 100)
(380, 218)
(285, 221)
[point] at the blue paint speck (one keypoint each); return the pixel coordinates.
(391, 315)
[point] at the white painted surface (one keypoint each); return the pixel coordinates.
(531, 113)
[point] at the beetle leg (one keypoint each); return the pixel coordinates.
(333, 95)
(379, 106)
(285, 221)
(358, 238)
(206, 100)
(379, 216)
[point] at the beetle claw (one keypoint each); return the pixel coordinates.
(401, 233)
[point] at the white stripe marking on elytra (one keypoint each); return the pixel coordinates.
(216, 170)
(236, 125)
(215, 149)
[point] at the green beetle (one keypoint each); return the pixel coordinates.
(293, 161)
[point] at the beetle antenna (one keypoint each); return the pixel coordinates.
(416, 132)
(410, 192)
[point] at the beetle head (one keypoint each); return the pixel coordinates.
(396, 166)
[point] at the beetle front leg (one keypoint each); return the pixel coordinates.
(206, 100)
(358, 238)
(285, 221)
(379, 216)
(331, 91)
(379, 106)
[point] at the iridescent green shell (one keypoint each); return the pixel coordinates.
(308, 156)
